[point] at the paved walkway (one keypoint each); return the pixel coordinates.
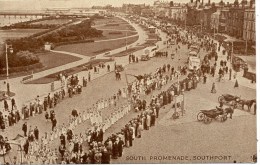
(251, 61)
(241, 80)
(114, 39)
(116, 30)
(70, 53)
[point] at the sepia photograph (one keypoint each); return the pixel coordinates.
(128, 82)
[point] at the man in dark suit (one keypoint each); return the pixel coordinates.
(13, 103)
(24, 128)
(120, 147)
(54, 123)
(36, 133)
(5, 105)
(100, 135)
(115, 150)
(62, 140)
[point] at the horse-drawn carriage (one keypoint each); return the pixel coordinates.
(229, 99)
(208, 115)
(236, 101)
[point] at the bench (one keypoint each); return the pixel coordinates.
(27, 78)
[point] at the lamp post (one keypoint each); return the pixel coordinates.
(186, 21)
(126, 31)
(201, 21)
(7, 66)
(246, 38)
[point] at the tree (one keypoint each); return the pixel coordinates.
(27, 58)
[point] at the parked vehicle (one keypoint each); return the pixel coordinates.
(208, 115)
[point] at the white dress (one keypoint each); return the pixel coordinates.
(80, 119)
(56, 134)
(84, 116)
(51, 136)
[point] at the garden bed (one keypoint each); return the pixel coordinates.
(54, 77)
(48, 60)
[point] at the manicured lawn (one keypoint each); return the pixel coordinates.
(58, 21)
(113, 23)
(109, 20)
(112, 34)
(118, 27)
(18, 33)
(90, 49)
(51, 59)
(127, 52)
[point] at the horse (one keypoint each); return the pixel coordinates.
(249, 103)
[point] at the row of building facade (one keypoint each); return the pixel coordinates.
(235, 19)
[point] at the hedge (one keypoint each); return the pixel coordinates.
(22, 68)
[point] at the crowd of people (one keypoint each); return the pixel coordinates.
(71, 145)
(90, 146)
(38, 149)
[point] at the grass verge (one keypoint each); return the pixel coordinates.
(53, 77)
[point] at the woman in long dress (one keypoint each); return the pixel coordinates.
(51, 136)
(81, 139)
(56, 133)
(71, 147)
(84, 117)
(139, 129)
(80, 118)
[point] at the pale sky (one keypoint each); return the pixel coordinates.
(40, 4)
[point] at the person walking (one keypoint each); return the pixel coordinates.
(230, 73)
(54, 123)
(36, 133)
(204, 79)
(5, 105)
(13, 103)
(213, 89)
(24, 128)
(89, 77)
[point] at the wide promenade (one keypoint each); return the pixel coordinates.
(182, 137)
